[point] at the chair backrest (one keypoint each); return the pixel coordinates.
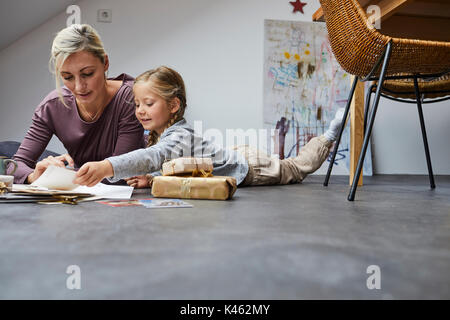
(9, 149)
(356, 45)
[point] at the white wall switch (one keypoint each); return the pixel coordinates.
(104, 15)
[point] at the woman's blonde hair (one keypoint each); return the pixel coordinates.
(75, 38)
(168, 84)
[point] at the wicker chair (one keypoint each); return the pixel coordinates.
(402, 69)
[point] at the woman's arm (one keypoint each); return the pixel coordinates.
(32, 146)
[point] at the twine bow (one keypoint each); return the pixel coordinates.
(3, 188)
(195, 173)
(201, 173)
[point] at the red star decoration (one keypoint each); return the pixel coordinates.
(298, 6)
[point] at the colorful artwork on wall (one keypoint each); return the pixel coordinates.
(303, 87)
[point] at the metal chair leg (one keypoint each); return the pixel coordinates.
(424, 134)
(351, 195)
(366, 108)
(341, 129)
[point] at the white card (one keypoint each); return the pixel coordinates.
(56, 178)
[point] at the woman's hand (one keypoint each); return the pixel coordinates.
(92, 173)
(140, 182)
(42, 165)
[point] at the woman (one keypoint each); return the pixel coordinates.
(91, 115)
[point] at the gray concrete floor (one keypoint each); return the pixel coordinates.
(285, 242)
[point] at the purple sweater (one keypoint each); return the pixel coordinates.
(117, 131)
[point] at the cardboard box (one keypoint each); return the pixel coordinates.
(181, 166)
(213, 188)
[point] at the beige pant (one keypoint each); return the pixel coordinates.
(265, 170)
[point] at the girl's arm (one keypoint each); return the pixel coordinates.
(135, 163)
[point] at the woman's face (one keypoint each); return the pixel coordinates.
(84, 75)
(152, 111)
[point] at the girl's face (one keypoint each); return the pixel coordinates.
(84, 75)
(152, 111)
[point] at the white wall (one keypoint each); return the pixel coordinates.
(217, 46)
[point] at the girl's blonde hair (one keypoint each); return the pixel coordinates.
(75, 38)
(168, 84)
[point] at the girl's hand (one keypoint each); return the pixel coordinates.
(140, 182)
(42, 165)
(92, 173)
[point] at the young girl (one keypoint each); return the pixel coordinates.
(160, 99)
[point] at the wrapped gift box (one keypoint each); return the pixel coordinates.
(181, 166)
(214, 188)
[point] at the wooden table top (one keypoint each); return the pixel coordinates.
(414, 19)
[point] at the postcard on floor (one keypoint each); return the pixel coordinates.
(165, 203)
(148, 203)
(121, 203)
